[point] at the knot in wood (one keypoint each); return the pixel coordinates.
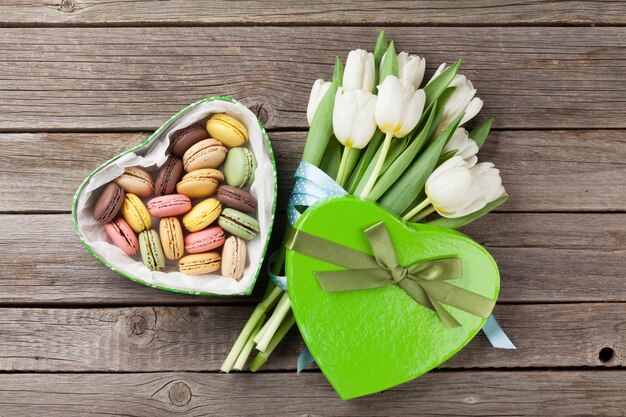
(68, 6)
(180, 394)
(263, 111)
(137, 325)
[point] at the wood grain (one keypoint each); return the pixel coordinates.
(510, 393)
(194, 12)
(148, 339)
(134, 78)
(542, 170)
(539, 256)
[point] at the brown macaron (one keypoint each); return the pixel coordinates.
(137, 181)
(108, 203)
(185, 138)
(236, 198)
(208, 153)
(170, 173)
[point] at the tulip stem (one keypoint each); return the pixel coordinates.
(378, 167)
(422, 214)
(413, 214)
(344, 165)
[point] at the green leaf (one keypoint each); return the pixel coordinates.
(338, 72)
(389, 64)
(364, 161)
(331, 158)
(462, 221)
(444, 157)
(401, 163)
(397, 147)
(439, 84)
(379, 51)
(404, 191)
(479, 134)
(321, 127)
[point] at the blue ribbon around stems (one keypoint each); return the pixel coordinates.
(311, 185)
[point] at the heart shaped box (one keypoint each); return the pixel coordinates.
(150, 155)
(367, 341)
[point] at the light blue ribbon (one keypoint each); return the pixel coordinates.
(311, 185)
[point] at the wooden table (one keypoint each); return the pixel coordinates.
(81, 80)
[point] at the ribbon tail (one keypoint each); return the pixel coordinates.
(417, 293)
(304, 360)
(458, 297)
(448, 319)
(496, 335)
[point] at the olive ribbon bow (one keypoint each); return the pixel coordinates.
(424, 281)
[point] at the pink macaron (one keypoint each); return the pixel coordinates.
(169, 205)
(122, 236)
(204, 240)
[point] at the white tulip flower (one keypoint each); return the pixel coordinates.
(466, 148)
(399, 106)
(353, 117)
(456, 189)
(411, 68)
(359, 72)
(461, 100)
(398, 109)
(319, 89)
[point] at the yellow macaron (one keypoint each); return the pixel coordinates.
(135, 213)
(200, 183)
(228, 130)
(202, 214)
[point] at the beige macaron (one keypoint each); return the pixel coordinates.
(136, 181)
(200, 183)
(228, 130)
(208, 153)
(234, 257)
(171, 234)
(199, 263)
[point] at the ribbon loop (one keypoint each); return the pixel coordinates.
(423, 281)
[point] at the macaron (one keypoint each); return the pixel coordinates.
(108, 203)
(228, 130)
(239, 167)
(169, 205)
(136, 213)
(137, 181)
(169, 175)
(185, 138)
(208, 153)
(171, 234)
(239, 224)
(202, 214)
(122, 236)
(204, 240)
(200, 183)
(151, 250)
(200, 263)
(234, 257)
(236, 198)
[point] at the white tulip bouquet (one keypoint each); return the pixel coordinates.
(383, 138)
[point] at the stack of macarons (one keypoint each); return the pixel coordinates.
(200, 198)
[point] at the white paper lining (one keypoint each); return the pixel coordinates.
(151, 158)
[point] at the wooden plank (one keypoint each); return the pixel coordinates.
(494, 12)
(511, 393)
(540, 261)
(542, 170)
(148, 339)
(134, 78)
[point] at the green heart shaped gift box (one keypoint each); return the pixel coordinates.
(423, 293)
(150, 155)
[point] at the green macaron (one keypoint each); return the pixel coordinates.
(151, 250)
(238, 224)
(239, 167)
